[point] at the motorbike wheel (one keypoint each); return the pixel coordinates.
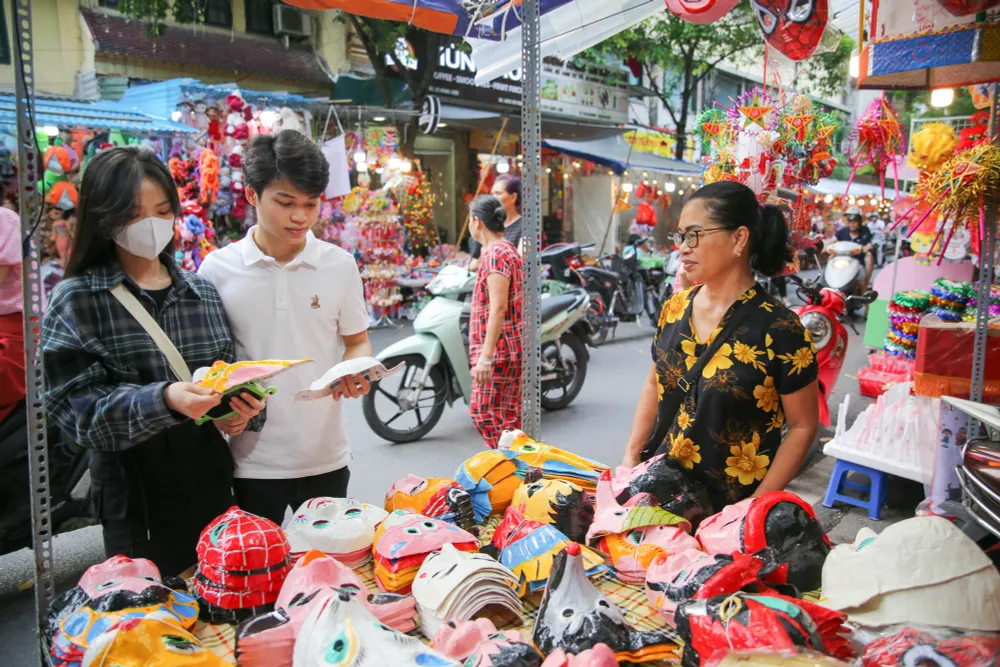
(572, 372)
(597, 330)
(653, 306)
(427, 408)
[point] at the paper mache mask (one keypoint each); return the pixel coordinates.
(575, 617)
(247, 376)
(455, 585)
(404, 540)
(243, 560)
(491, 479)
(117, 589)
(701, 11)
(504, 649)
(368, 367)
(635, 534)
(776, 519)
(793, 27)
(558, 502)
(916, 646)
(747, 621)
(528, 548)
(436, 497)
(341, 631)
(459, 640)
(341, 527)
(669, 484)
(554, 463)
(921, 571)
(145, 641)
(599, 656)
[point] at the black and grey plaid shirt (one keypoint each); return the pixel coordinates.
(104, 375)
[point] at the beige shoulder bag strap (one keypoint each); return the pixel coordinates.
(146, 321)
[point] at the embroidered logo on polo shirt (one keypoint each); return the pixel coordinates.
(315, 302)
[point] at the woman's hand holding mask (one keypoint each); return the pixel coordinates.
(247, 406)
(190, 399)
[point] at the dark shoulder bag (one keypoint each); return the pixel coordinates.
(672, 400)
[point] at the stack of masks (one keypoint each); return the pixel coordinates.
(114, 596)
(668, 484)
(243, 560)
(633, 535)
(269, 640)
(404, 541)
(554, 501)
(490, 478)
(554, 463)
(528, 548)
(455, 585)
(437, 497)
(340, 527)
(154, 639)
(479, 643)
(574, 616)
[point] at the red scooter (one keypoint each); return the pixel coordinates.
(823, 317)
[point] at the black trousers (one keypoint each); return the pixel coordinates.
(270, 497)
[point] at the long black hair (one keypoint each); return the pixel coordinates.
(491, 212)
(733, 205)
(512, 186)
(109, 197)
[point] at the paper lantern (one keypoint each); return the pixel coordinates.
(793, 27)
(701, 11)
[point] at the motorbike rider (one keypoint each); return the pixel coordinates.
(857, 232)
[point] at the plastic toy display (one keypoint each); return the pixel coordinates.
(368, 367)
(436, 497)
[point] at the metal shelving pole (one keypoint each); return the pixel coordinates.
(531, 211)
(31, 272)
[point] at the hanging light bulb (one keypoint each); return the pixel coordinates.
(548, 170)
(405, 166)
(861, 202)
(360, 157)
(670, 187)
(627, 188)
(175, 116)
(854, 66)
(394, 163)
(645, 174)
(828, 199)
(362, 166)
(942, 97)
(681, 193)
(502, 167)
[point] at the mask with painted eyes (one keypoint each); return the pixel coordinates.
(554, 463)
(455, 585)
(436, 497)
(780, 520)
(670, 485)
(701, 11)
(147, 641)
(340, 527)
(116, 572)
(404, 540)
(575, 617)
(793, 27)
(504, 649)
(491, 479)
(558, 502)
(243, 560)
(528, 548)
(341, 632)
(229, 379)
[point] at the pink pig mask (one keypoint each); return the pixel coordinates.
(405, 534)
(599, 656)
(119, 573)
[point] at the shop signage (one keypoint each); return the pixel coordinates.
(430, 114)
(484, 140)
(566, 90)
(660, 144)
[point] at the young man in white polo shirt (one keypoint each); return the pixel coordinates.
(289, 295)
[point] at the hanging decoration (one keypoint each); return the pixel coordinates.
(381, 251)
(877, 140)
(701, 11)
(194, 236)
(793, 27)
(975, 134)
(931, 147)
(418, 215)
(806, 138)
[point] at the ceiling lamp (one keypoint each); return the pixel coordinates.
(942, 97)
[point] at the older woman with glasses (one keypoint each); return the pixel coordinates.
(732, 391)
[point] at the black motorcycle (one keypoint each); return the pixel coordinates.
(69, 483)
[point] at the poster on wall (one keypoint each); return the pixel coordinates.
(660, 144)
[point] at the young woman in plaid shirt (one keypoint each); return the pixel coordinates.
(156, 478)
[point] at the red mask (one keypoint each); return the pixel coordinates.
(701, 11)
(793, 27)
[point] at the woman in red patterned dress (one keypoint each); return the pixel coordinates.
(495, 336)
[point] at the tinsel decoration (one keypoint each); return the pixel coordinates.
(931, 147)
(976, 133)
(418, 215)
(208, 177)
(877, 140)
(805, 144)
(949, 299)
(959, 192)
(905, 311)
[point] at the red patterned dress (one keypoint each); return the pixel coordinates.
(496, 404)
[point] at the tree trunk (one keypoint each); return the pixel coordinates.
(682, 115)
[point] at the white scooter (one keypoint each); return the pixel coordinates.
(406, 406)
(845, 270)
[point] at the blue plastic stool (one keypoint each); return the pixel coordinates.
(876, 489)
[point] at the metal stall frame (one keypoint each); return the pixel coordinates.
(531, 212)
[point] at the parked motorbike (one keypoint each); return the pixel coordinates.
(657, 284)
(68, 478)
(617, 289)
(437, 367)
(845, 271)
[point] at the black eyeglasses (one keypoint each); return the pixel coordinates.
(693, 237)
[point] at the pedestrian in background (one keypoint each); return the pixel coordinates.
(495, 326)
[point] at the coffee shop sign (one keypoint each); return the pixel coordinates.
(449, 58)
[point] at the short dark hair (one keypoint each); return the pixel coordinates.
(512, 186)
(490, 212)
(109, 197)
(286, 154)
(733, 205)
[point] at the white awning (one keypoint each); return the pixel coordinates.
(832, 186)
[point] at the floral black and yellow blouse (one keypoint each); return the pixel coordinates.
(729, 426)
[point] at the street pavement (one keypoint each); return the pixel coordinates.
(596, 425)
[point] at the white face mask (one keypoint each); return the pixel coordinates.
(146, 238)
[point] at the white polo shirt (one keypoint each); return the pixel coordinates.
(296, 311)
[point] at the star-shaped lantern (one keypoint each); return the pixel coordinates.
(798, 125)
(756, 112)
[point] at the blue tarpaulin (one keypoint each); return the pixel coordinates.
(90, 115)
(162, 98)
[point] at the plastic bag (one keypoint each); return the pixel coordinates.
(911, 646)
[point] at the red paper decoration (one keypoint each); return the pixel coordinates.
(701, 11)
(966, 7)
(645, 215)
(793, 27)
